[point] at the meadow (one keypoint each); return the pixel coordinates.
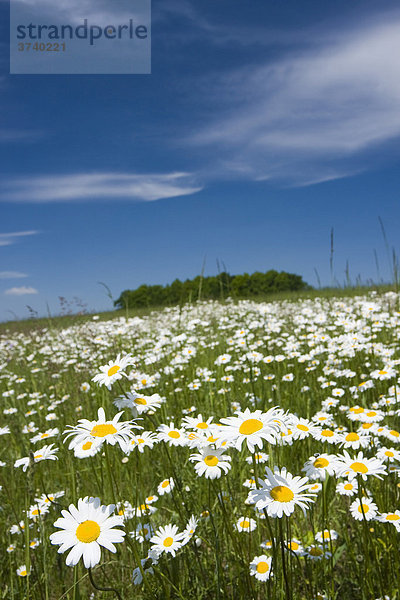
(217, 450)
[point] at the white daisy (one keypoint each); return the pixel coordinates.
(260, 567)
(167, 539)
(253, 427)
(211, 462)
(366, 506)
(101, 431)
(280, 492)
(113, 371)
(85, 529)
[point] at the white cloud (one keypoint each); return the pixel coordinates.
(20, 291)
(6, 239)
(99, 186)
(19, 135)
(306, 116)
(12, 275)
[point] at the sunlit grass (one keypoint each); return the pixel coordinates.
(314, 357)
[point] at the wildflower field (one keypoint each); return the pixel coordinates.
(215, 451)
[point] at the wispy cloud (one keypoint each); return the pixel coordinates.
(21, 291)
(100, 12)
(19, 135)
(99, 186)
(314, 115)
(12, 275)
(6, 239)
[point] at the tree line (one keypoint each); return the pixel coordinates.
(213, 287)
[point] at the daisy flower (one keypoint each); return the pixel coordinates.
(87, 447)
(210, 462)
(347, 488)
(101, 431)
(171, 435)
(367, 506)
(45, 453)
(197, 423)
(113, 371)
(351, 467)
(42, 436)
(166, 486)
(146, 439)
(388, 454)
(326, 535)
(260, 567)
(138, 403)
(260, 458)
(391, 517)
(355, 440)
(302, 427)
(246, 524)
(22, 571)
(326, 435)
(295, 546)
(252, 427)
(189, 530)
(85, 529)
(318, 467)
(167, 539)
(280, 492)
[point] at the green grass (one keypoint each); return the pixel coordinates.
(53, 364)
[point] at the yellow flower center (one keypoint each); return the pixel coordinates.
(327, 433)
(44, 435)
(365, 507)
(35, 512)
(174, 434)
(112, 370)
(202, 425)
(392, 517)
(262, 567)
(281, 493)
(88, 531)
(37, 456)
(102, 430)
(394, 433)
(389, 453)
(321, 462)
(359, 467)
(250, 426)
(382, 372)
(23, 573)
(371, 413)
(348, 486)
(245, 524)
(140, 401)
(165, 484)
(140, 441)
(366, 425)
(211, 460)
(212, 439)
(168, 542)
(293, 546)
(352, 437)
(87, 445)
(302, 427)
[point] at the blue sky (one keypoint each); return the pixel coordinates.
(262, 126)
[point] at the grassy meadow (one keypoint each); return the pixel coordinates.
(219, 450)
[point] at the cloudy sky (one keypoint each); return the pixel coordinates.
(262, 126)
